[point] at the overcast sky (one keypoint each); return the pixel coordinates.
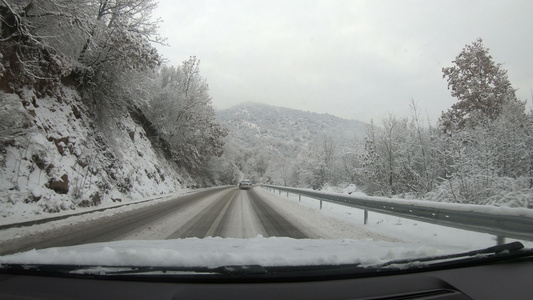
(354, 59)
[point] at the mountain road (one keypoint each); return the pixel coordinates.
(223, 212)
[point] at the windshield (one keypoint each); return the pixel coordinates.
(208, 134)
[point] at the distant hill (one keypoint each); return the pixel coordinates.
(284, 130)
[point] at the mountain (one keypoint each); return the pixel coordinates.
(285, 129)
(265, 140)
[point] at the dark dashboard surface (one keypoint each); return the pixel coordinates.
(510, 280)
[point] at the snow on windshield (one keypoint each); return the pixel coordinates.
(272, 251)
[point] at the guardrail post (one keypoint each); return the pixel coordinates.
(299, 198)
(320, 204)
(287, 194)
(366, 216)
(500, 240)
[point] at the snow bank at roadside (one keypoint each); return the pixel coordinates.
(402, 229)
(346, 188)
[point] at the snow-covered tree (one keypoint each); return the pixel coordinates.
(318, 164)
(77, 39)
(182, 114)
(401, 156)
(393, 159)
(488, 164)
(480, 85)
(425, 161)
(351, 162)
(25, 57)
(488, 136)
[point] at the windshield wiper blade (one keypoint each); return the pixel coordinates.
(103, 270)
(500, 251)
(223, 270)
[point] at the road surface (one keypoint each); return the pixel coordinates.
(223, 212)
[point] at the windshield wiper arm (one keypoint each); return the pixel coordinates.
(499, 251)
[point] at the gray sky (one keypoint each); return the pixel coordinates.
(354, 59)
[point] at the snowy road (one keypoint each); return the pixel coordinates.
(238, 214)
(226, 212)
(233, 213)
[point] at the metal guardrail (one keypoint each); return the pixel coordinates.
(512, 224)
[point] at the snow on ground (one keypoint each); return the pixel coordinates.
(91, 215)
(243, 220)
(318, 225)
(108, 207)
(166, 226)
(399, 229)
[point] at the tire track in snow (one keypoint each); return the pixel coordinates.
(273, 222)
(243, 221)
(208, 220)
(238, 214)
(104, 229)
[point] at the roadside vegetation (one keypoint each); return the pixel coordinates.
(89, 112)
(480, 151)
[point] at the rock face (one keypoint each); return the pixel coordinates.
(60, 144)
(54, 156)
(59, 186)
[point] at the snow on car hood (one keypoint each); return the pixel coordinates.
(215, 252)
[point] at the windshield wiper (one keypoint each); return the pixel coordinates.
(238, 270)
(54, 269)
(486, 255)
(499, 252)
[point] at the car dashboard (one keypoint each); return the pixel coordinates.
(503, 280)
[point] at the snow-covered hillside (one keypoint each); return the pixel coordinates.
(285, 130)
(265, 141)
(54, 156)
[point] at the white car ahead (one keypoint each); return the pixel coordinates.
(245, 184)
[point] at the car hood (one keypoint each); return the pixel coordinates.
(214, 252)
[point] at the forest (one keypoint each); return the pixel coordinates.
(98, 59)
(480, 151)
(104, 49)
(90, 113)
